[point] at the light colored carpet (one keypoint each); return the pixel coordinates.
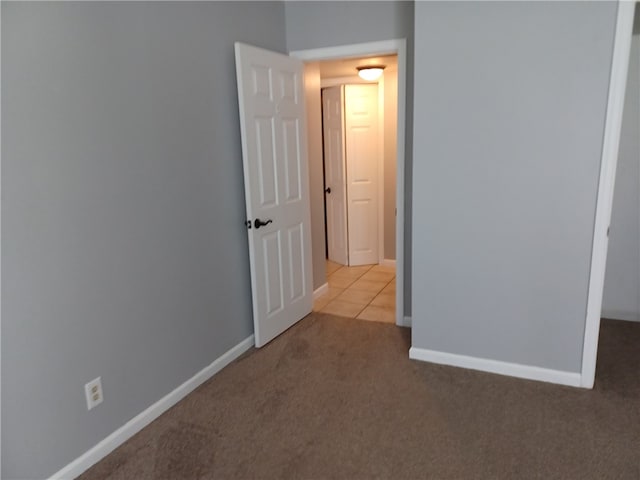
(337, 398)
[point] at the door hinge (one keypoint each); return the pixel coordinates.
(247, 224)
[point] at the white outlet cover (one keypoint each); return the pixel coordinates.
(93, 393)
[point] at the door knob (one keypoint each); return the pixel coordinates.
(327, 190)
(259, 223)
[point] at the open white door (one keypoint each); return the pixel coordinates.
(335, 173)
(361, 124)
(274, 152)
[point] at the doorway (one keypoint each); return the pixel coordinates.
(359, 159)
(385, 266)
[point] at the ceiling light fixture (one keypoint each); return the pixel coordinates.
(370, 72)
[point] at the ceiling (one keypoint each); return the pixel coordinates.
(347, 67)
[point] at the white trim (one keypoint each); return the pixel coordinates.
(133, 426)
(494, 366)
(1, 310)
(611, 142)
(321, 290)
(381, 162)
(621, 315)
(385, 47)
(387, 262)
(401, 142)
(406, 322)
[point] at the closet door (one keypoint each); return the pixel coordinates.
(361, 132)
(335, 179)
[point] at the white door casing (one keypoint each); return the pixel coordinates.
(335, 174)
(396, 46)
(274, 151)
(362, 151)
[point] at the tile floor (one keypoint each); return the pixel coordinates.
(367, 292)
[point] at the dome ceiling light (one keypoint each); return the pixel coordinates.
(370, 72)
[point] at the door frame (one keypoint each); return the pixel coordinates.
(606, 185)
(386, 47)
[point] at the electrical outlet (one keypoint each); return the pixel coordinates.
(93, 392)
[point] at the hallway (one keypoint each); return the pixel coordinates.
(365, 292)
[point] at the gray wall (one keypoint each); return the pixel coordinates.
(316, 173)
(621, 297)
(124, 252)
(508, 138)
(316, 24)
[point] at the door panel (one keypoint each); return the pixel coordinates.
(296, 256)
(361, 125)
(272, 124)
(335, 176)
(291, 132)
(272, 249)
(266, 169)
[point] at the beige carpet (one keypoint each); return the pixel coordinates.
(336, 398)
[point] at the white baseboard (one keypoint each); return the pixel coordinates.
(620, 315)
(321, 290)
(133, 426)
(405, 322)
(572, 379)
(388, 263)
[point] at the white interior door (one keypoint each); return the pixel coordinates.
(335, 175)
(361, 125)
(274, 152)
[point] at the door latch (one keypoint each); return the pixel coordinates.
(259, 223)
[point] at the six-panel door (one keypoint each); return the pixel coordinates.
(276, 188)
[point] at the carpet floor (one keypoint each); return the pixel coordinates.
(336, 398)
